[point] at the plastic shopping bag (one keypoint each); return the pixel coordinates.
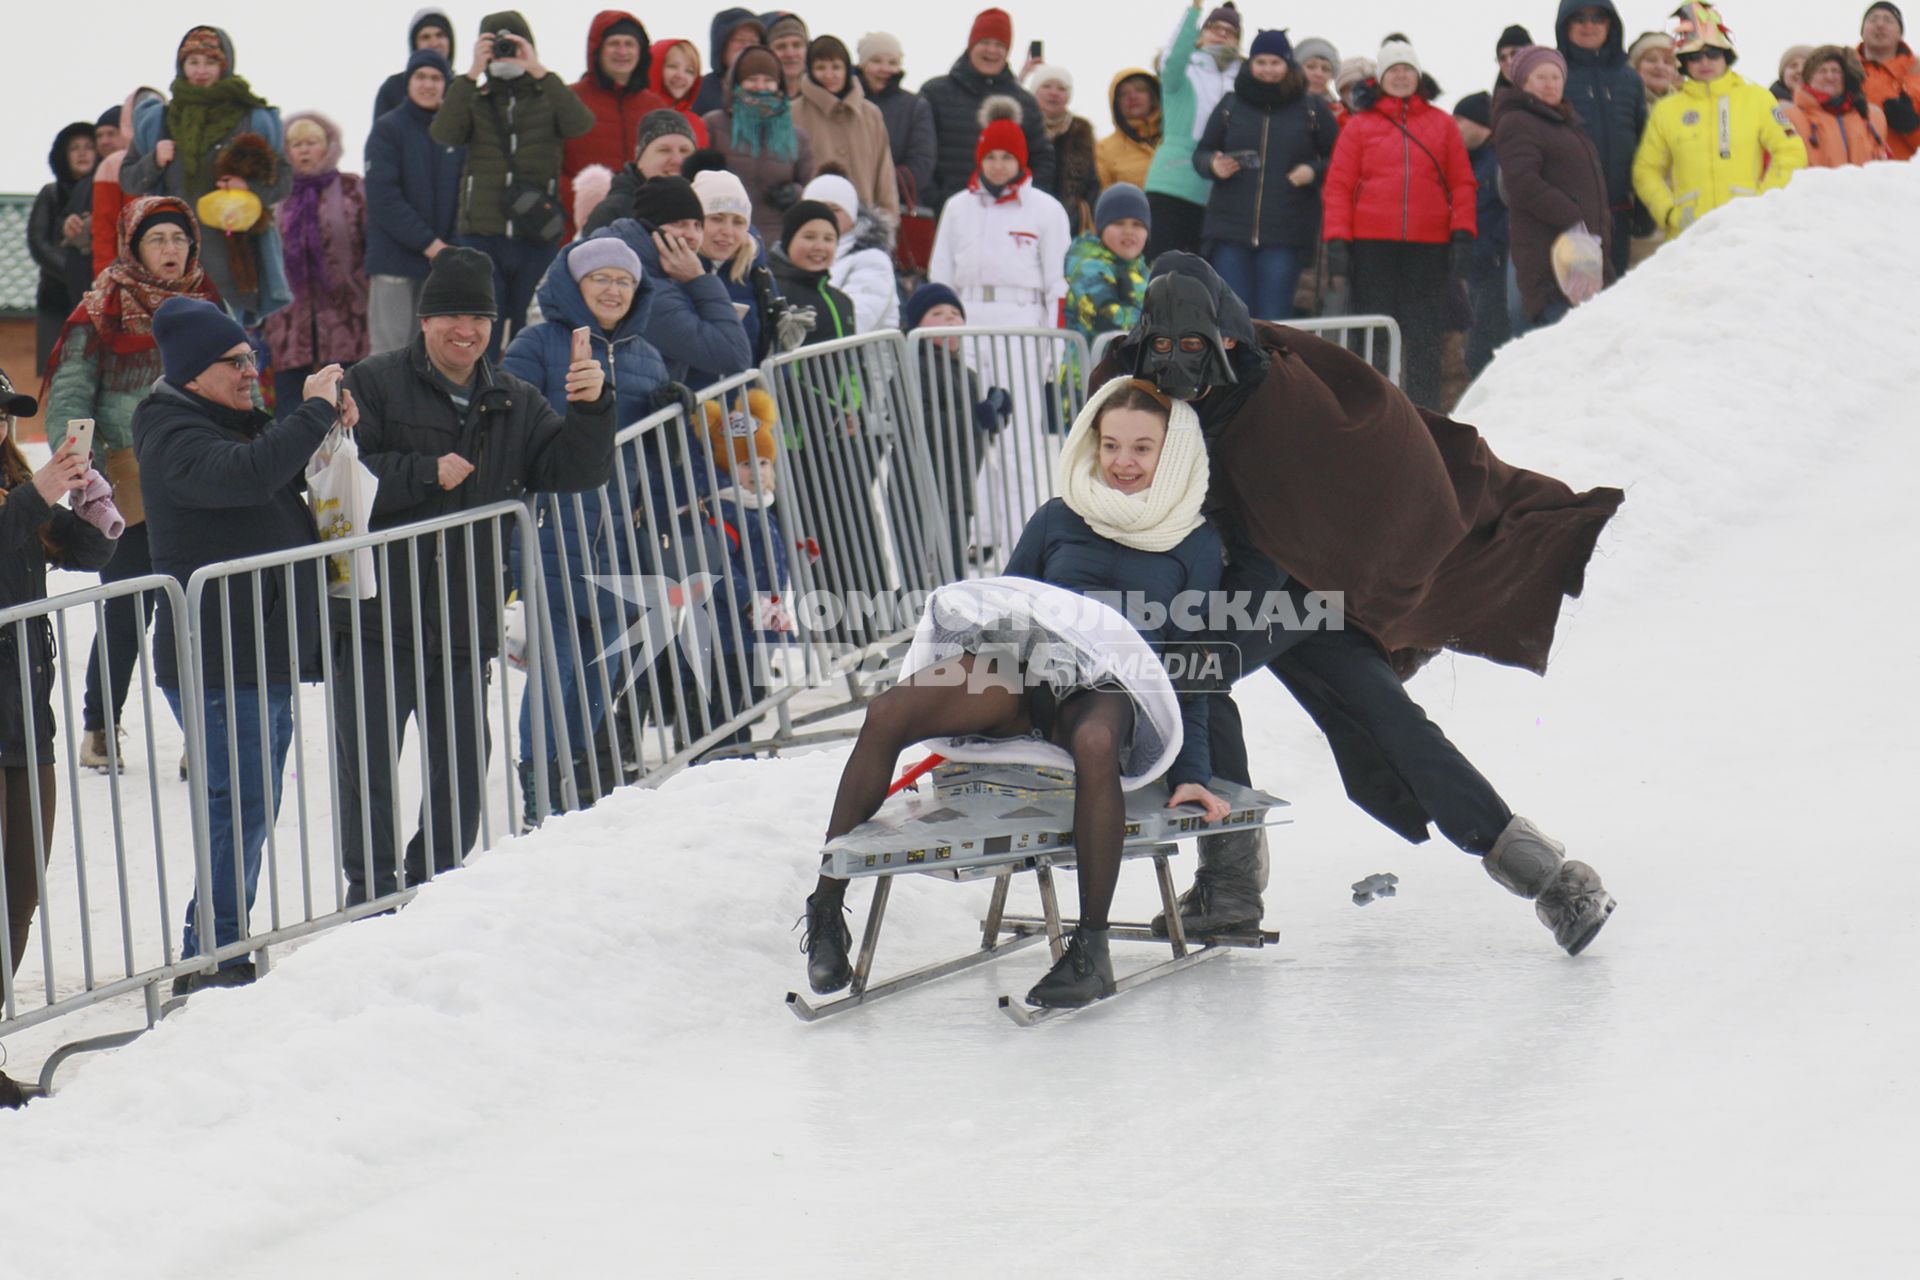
(1578, 265)
(340, 491)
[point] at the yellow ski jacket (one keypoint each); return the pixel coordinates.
(1707, 144)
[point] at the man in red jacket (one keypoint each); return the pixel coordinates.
(619, 60)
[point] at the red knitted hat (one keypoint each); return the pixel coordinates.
(1001, 135)
(992, 24)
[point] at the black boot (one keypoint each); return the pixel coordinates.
(11, 1097)
(1081, 976)
(826, 943)
(234, 975)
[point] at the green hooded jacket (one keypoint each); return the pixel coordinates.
(514, 131)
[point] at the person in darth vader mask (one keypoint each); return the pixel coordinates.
(1369, 535)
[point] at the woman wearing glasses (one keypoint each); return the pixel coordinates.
(599, 285)
(102, 368)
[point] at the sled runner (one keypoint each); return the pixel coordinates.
(979, 821)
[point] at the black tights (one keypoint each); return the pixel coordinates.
(947, 701)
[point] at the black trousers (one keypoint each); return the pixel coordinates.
(17, 848)
(1177, 224)
(1345, 682)
(1411, 283)
(457, 744)
(127, 618)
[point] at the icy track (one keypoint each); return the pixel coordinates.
(573, 1058)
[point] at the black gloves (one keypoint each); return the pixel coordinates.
(671, 395)
(1901, 117)
(1339, 257)
(784, 196)
(1461, 260)
(993, 413)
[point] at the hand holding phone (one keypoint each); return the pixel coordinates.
(80, 436)
(585, 378)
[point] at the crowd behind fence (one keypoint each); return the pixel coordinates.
(597, 639)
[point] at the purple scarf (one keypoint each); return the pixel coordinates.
(303, 243)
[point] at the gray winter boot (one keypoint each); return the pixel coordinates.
(1226, 889)
(1567, 895)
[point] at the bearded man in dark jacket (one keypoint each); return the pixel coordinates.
(1611, 101)
(956, 98)
(1327, 479)
(445, 431)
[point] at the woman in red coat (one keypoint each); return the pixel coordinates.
(675, 78)
(1399, 190)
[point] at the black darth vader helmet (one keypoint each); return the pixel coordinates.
(1177, 343)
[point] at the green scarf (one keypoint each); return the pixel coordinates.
(198, 117)
(763, 122)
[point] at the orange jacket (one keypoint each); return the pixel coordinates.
(1836, 140)
(1888, 79)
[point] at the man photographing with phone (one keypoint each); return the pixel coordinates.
(514, 127)
(444, 430)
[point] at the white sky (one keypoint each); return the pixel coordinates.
(333, 57)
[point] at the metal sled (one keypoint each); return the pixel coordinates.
(999, 820)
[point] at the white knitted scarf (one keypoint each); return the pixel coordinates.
(1156, 519)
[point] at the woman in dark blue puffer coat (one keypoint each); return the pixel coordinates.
(1265, 149)
(599, 285)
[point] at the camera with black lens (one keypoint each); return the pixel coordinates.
(506, 44)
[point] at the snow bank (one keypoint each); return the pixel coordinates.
(572, 1058)
(1757, 350)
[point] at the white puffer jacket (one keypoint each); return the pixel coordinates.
(1015, 247)
(863, 270)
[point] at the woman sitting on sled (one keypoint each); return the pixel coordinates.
(1020, 669)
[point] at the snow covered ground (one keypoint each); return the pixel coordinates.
(573, 1058)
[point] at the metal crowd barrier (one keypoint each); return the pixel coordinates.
(859, 496)
(348, 788)
(996, 465)
(671, 591)
(1375, 339)
(106, 920)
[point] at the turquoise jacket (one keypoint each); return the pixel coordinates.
(1172, 172)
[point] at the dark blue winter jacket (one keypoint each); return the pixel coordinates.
(413, 192)
(635, 371)
(221, 484)
(1059, 547)
(1608, 96)
(693, 325)
(713, 85)
(739, 291)
(1490, 242)
(1286, 128)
